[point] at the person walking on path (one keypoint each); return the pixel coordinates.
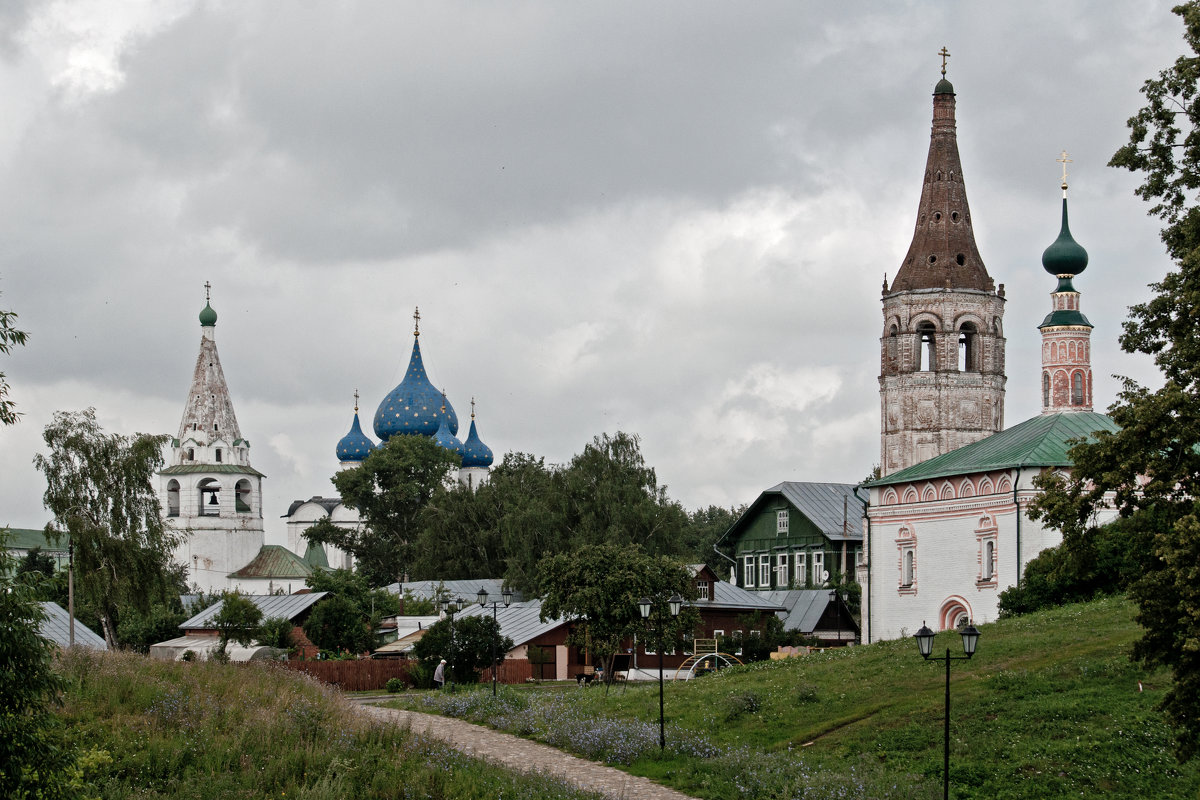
(439, 674)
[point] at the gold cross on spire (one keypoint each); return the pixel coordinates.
(207, 287)
(944, 53)
(356, 401)
(472, 408)
(416, 321)
(1062, 159)
(443, 400)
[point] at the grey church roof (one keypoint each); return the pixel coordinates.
(327, 503)
(56, 626)
(285, 606)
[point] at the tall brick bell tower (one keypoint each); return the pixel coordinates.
(941, 382)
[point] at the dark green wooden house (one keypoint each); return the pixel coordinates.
(797, 535)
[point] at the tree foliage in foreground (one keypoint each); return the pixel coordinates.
(10, 337)
(465, 642)
(100, 489)
(34, 757)
(1153, 461)
(389, 489)
(597, 589)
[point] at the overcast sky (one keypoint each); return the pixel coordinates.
(667, 218)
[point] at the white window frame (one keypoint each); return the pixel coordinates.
(703, 590)
(781, 522)
(800, 569)
(781, 570)
(818, 565)
(748, 571)
(764, 570)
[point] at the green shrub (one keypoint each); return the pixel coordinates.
(395, 685)
(743, 703)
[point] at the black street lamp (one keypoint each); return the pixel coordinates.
(449, 608)
(482, 597)
(970, 638)
(675, 602)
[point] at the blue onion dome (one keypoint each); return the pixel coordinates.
(354, 446)
(1065, 256)
(447, 440)
(475, 452)
(414, 406)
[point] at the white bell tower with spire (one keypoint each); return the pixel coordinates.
(210, 492)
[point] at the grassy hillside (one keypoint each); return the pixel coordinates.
(1049, 707)
(151, 729)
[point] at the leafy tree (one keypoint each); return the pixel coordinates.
(337, 625)
(277, 632)
(348, 625)
(237, 620)
(138, 630)
(460, 534)
(704, 527)
(389, 489)
(36, 561)
(10, 337)
(1152, 462)
(100, 489)
(34, 757)
(466, 644)
(598, 588)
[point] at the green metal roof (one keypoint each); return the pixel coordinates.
(217, 469)
(1065, 316)
(275, 561)
(1039, 442)
(29, 538)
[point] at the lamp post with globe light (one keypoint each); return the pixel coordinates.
(645, 605)
(970, 638)
(482, 597)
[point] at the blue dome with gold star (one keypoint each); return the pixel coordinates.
(414, 406)
(446, 439)
(354, 446)
(475, 452)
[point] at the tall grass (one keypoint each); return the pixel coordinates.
(1050, 707)
(202, 730)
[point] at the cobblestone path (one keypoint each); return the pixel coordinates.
(526, 756)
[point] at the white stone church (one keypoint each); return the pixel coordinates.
(212, 494)
(946, 526)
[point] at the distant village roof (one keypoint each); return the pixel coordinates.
(834, 508)
(29, 538)
(1043, 441)
(284, 606)
(805, 607)
(56, 626)
(466, 590)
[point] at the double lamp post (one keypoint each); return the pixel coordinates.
(645, 605)
(482, 597)
(970, 638)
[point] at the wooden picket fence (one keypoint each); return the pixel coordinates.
(361, 675)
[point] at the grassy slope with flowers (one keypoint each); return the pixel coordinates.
(1049, 707)
(149, 729)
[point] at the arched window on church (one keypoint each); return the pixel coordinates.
(1045, 389)
(892, 350)
(1077, 389)
(173, 498)
(908, 567)
(241, 498)
(968, 360)
(926, 347)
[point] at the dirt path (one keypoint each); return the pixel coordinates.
(526, 756)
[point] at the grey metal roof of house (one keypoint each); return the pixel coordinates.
(835, 508)
(56, 626)
(467, 590)
(521, 622)
(804, 608)
(286, 606)
(728, 596)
